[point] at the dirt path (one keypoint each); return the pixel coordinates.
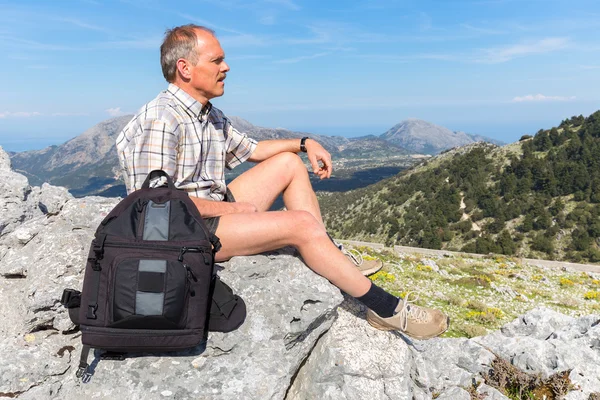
(525, 261)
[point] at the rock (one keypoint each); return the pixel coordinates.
(296, 343)
(15, 203)
(352, 359)
(378, 366)
(454, 393)
(4, 160)
(19, 202)
(53, 198)
(505, 291)
(546, 342)
(32, 359)
(289, 308)
(489, 393)
(432, 264)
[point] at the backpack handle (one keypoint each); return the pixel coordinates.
(156, 173)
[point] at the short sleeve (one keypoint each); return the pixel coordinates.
(238, 146)
(155, 146)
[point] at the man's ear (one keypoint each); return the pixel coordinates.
(183, 68)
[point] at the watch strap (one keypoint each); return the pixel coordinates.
(303, 144)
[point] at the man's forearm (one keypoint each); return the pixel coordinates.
(268, 148)
(212, 208)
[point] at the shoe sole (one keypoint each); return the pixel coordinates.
(376, 325)
(371, 271)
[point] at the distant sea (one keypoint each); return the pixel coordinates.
(507, 132)
(18, 145)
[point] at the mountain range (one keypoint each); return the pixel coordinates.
(536, 198)
(88, 164)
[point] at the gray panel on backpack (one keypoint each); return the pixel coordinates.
(153, 266)
(156, 223)
(149, 303)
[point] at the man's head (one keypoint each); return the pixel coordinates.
(192, 58)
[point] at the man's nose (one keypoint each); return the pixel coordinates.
(224, 67)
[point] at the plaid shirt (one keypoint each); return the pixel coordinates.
(189, 142)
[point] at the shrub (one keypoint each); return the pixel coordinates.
(591, 295)
(566, 282)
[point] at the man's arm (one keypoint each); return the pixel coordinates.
(212, 208)
(316, 153)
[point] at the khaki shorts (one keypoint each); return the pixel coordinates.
(212, 223)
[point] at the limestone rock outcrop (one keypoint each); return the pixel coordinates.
(300, 340)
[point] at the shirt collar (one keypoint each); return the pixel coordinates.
(189, 103)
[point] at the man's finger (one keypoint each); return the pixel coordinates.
(314, 163)
(328, 167)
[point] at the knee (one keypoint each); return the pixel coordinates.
(306, 227)
(291, 162)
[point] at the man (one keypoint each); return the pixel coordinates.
(181, 133)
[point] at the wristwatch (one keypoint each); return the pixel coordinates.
(303, 144)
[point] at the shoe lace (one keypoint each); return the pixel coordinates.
(354, 255)
(410, 311)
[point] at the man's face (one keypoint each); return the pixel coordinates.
(207, 76)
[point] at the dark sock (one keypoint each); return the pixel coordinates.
(380, 301)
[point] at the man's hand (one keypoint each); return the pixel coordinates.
(317, 153)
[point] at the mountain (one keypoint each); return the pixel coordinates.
(88, 164)
(537, 198)
(423, 137)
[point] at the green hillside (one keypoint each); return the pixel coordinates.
(539, 197)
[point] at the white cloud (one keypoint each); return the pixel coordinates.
(301, 58)
(268, 19)
(68, 114)
(82, 24)
(503, 54)
(31, 114)
(541, 97)
(19, 114)
(115, 112)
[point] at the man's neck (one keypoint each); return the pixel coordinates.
(189, 90)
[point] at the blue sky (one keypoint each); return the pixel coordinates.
(501, 68)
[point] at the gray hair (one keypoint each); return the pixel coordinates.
(179, 42)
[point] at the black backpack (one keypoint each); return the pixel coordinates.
(150, 278)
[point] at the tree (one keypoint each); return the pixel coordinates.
(580, 240)
(542, 243)
(506, 243)
(527, 224)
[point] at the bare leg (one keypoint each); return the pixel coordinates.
(253, 233)
(284, 173)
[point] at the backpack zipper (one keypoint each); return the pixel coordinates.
(182, 249)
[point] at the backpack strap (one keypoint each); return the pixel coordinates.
(155, 174)
(83, 371)
(216, 243)
(71, 300)
(98, 248)
(227, 311)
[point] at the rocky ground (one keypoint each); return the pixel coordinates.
(482, 294)
(301, 339)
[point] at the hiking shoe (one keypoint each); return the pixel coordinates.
(417, 322)
(366, 267)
